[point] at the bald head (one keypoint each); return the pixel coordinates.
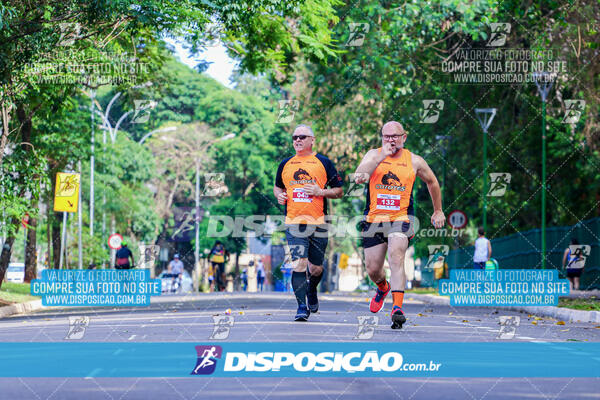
(392, 128)
(303, 130)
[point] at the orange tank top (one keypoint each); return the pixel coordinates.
(389, 196)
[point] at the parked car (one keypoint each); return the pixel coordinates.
(15, 273)
(169, 284)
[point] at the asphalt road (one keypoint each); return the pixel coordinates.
(268, 317)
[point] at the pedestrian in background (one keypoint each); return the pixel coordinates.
(483, 250)
(260, 275)
(218, 258)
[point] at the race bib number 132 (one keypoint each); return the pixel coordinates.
(388, 202)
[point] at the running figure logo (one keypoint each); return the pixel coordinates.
(69, 32)
(498, 34)
(77, 326)
(431, 111)
(358, 32)
(436, 251)
(508, 327)
(148, 255)
(579, 253)
(573, 111)
(366, 327)
(356, 189)
(207, 359)
(142, 111)
(287, 111)
(498, 183)
(214, 184)
(298, 251)
(222, 326)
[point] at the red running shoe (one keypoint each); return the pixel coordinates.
(378, 300)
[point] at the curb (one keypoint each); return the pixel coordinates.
(21, 308)
(564, 314)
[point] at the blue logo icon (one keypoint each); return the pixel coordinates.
(207, 359)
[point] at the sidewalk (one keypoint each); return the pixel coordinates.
(560, 313)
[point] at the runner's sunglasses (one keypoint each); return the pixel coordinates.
(301, 137)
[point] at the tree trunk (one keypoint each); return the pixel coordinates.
(5, 131)
(6, 252)
(31, 251)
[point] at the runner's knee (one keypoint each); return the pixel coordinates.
(300, 264)
(315, 269)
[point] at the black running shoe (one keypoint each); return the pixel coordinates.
(302, 313)
(313, 301)
(398, 318)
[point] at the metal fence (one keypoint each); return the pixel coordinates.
(522, 250)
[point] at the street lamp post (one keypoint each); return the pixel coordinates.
(543, 81)
(446, 139)
(485, 116)
(147, 135)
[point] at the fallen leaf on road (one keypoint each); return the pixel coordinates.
(537, 318)
(597, 327)
(560, 323)
(450, 313)
(534, 322)
(420, 315)
(241, 313)
(529, 315)
(465, 320)
(268, 313)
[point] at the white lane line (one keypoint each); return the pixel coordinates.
(525, 338)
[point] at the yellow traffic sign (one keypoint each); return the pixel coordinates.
(66, 195)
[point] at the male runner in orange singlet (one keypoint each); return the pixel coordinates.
(389, 216)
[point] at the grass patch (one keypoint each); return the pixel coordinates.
(15, 293)
(422, 290)
(590, 304)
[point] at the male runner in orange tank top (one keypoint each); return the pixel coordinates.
(389, 216)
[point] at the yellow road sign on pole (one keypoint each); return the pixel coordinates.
(66, 195)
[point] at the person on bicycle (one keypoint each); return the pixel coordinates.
(123, 256)
(175, 268)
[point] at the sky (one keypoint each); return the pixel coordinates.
(221, 68)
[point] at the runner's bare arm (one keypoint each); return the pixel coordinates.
(315, 190)
(280, 194)
(368, 164)
(426, 174)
